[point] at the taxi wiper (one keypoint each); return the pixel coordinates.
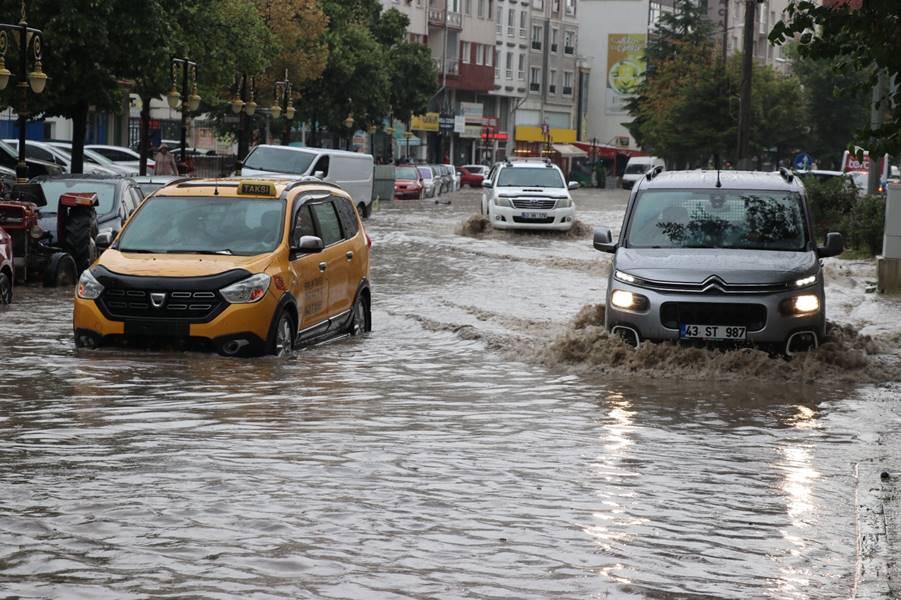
(224, 251)
(140, 251)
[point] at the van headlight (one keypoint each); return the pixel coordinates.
(629, 301)
(805, 304)
(247, 291)
(501, 201)
(88, 286)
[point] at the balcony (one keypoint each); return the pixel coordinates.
(439, 17)
(522, 33)
(534, 87)
(453, 66)
(567, 90)
(511, 31)
(552, 89)
(536, 45)
(521, 75)
(508, 73)
(553, 47)
(569, 50)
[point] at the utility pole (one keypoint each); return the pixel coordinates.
(877, 114)
(744, 109)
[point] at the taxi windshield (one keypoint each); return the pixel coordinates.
(751, 220)
(54, 188)
(205, 225)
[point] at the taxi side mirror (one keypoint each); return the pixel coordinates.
(308, 244)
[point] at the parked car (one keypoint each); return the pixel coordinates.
(408, 182)
(454, 177)
(122, 156)
(118, 197)
(353, 171)
(235, 264)
(6, 266)
(50, 154)
(636, 168)
(719, 257)
(472, 175)
(528, 194)
(431, 180)
(149, 184)
(96, 160)
(9, 159)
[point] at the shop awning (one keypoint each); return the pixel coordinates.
(569, 151)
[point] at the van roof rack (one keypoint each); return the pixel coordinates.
(654, 172)
(787, 175)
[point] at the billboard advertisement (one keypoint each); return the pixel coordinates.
(625, 68)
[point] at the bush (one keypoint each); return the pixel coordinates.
(865, 225)
(831, 202)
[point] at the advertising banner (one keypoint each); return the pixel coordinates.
(426, 122)
(625, 68)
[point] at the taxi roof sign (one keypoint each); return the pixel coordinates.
(257, 188)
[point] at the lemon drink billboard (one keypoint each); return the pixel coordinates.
(625, 68)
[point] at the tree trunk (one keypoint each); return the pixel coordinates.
(144, 136)
(79, 128)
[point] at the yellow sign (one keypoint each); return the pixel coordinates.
(533, 134)
(426, 122)
(257, 188)
(625, 68)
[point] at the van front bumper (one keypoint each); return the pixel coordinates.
(764, 315)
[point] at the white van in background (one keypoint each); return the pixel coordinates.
(351, 170)
(637, 167)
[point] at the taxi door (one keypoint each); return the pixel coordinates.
(338, 256)
(309, 280)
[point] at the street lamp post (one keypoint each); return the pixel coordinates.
(184, 102)
(27, 38)
(244, 106)
(282, 102)
(408, 134)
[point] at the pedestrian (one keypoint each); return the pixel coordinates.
(165, 162)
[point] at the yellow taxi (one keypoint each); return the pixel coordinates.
(243, 266)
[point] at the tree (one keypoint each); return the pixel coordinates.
(856, 37)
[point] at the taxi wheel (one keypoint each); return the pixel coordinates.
(282, 342)
(360, 319)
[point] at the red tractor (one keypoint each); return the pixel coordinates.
(55, 260)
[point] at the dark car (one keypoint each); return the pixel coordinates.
(6, 268)
(472, 175)
(9, 158)
(118, 197)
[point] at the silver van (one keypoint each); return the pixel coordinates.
(721, 257)
(353, 171)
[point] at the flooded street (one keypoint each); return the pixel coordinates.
(477, 445)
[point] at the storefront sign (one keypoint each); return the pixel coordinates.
(625, 68)
(446, 122)
(472, 111)
(460, 124)
(426, 122)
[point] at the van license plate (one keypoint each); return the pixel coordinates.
(713, 332)
(534, 215)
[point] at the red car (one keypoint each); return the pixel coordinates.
(408, 182)
(472, 175)
(6, 268)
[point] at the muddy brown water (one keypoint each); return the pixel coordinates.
(457, 452)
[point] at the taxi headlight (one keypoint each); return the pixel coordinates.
(628, 300)
(564, 202)
(807, 303)
(247, 291)
(505, 202)
(88, 286)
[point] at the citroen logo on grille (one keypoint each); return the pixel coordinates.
(157, 299)
(715, 282)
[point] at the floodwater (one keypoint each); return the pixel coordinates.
(479, 444)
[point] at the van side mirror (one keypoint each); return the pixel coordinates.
(603, 240)
(319, 174)
(835, 245)
(573, 185)
(308, 244)
(486, 183)
(105, 238)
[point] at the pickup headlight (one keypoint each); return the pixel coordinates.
(505, 202)
(88, 286)
(247, 291)
(564, 202)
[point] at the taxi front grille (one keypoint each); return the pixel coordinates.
(189, 306)
(534, 203)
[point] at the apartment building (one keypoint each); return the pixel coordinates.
(728, 17)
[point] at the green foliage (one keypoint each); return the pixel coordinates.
(830, 202)
(865, 224)
(853, 37)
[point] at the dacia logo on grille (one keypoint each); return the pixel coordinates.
(158, 299)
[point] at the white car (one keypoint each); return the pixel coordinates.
(50, 152)
(94, 159)
(454, 177)
(124, 157)
(528, 194)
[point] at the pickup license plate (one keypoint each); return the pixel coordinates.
(534, 215)
(713, 332)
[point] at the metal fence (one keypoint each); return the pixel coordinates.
(213, 166)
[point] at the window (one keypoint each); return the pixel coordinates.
(535, 79)
(522, 24)
(489, 56)
(536, 37)
(511, 21)
(571, 7)
(480, 54)
(539, 4)
(279, 160)
(521, 74)
(569, 42)
(466, 53)
(499, 28)
(348, 217)
(556, 6)
(509, 66)
(467, 7)
(555, 33)
(567, 83)
(329, 225)
(482, 13)
(530, 177)
(552, 82)
(303, 224)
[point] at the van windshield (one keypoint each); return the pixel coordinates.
(280, 160)
(636, 168)
(751, 220)
(205, 225)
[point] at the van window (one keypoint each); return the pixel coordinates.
(321, 165)
(279, 160)
(329, 225)
(348, 217)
